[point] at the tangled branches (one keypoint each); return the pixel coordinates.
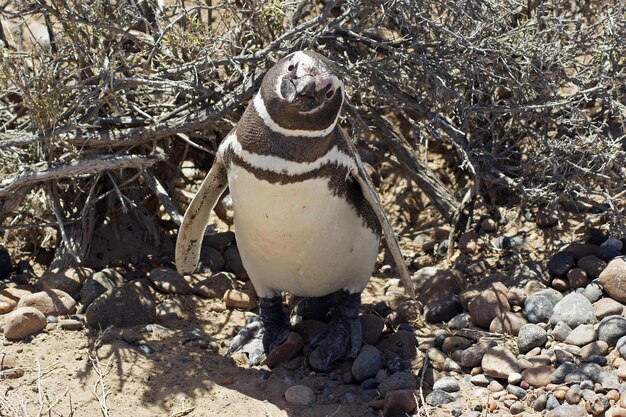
(526, 100)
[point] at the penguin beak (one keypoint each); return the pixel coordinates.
(306, 86)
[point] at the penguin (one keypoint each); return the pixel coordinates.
(306, 218)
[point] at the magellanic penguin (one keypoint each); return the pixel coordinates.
(306, 218)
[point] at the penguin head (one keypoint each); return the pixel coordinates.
(303, 91)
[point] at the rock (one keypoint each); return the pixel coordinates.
(538, 309)
(402, 342)
(50, 302)
(554, 296)
(233, 260)
(560, 284)
(577, 277)
(219, 241)
(574, 309)
(499, 362)
(517, 408)
(401, 402)
(71, 324)
(126, 305)
(97, 284)
(300, 395)
(437, 284)
(454, 343)
(169, 281)
(468, 243)
(68, 279)
(239, 299)
(592, 265)
(508, 322)
(598, 404)
(599, 347)
(531, 336)
(215, 286)
(519, 393)
(460, 321)
(552, 402)
(561, 331)
(567, 410)
(558, 376)
(372, 327)
(480, 380)
(447, 384)
(540, 402)
(23, 322)
(286, 351)
(488, 224)
(593, 291)
(547, 217)
(473, 356)
(573, 395)
(439, 397)
(397, 381)
(563, 356)
(5, 262)
(613, 279)
(443, 309)
(490, 303)
(620, 347)
(581, 335)
(515, 378)
(587, 371)
(538, 376)
(612, 328)
(561, 263)
(367, 363)
(171, 309)
(9, 297)
(211, 260)
(406, 312)
(607, 307)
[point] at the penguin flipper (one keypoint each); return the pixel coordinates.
(196, 218)
(370, 195)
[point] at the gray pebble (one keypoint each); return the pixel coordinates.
(538, 309)
(620, 346)
(517, 408)
(397, 381)
(587, 371)
(367, 364)
(593, 291)
(145, 349)
(558, 376)
(540, 402)
(552, 402)
(531, 336)
(611, 329)
(520, 393)
(447, 385)
(460, 321)
(574, 309)
(599, 359)
(551, 294)
(480, 380)
(561, 331)
(300, 395)
(439, 397)
(52, 319)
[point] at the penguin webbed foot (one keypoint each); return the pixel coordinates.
(262, 333)
(342, 337)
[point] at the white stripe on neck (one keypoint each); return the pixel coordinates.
(284, 166)
(259, 105)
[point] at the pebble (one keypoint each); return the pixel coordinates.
(538, 309)
(517, 408)
(9, 298)
(547, 217)
(488, 224)
(396, 382)
(560, 331)
(68, 279)
(605, 307)
(567, 410)
(490, 303)
(577, 277)
(447, 384)
(593, 291)
(613, 279)
(540, 403)
(215, 286)
(561, 263)
(211, 260)
(518, 392)
(495, 386)
(367, 363)
(515, 378)
(531, 336)
(123, 306)
(574, 309)
(454, 343)
(401, 402)
(581, 335)
(553, 295)
(286, 351)
(402, 342)
(587, 371)
(99, 283)
(219, 241)
(473, 355)
(480, 380)
(239, 299)
(23, 322)
(611, 329)
(507, 323)
(460, 321)
(145, 349)
(598, 404)
(372, 327)
(71, 324)
(620, 346)
(300, 395)
(439, 397)
(538, 376)
(563, 356)
(558, 376)
(499, 362)
(443, 309)
(552, 402)
(169, 281)
(560, 284)
(233, 260)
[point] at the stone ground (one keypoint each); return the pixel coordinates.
(526, 318)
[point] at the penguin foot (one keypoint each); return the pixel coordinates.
(262, 333)
(342, 337)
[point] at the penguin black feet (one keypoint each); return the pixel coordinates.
(263, 333)
(342, 337)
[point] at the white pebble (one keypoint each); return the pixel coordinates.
(515, 378)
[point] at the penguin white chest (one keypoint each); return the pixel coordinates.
(300, 237)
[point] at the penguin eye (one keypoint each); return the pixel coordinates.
(330, 93)
(291, 67)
